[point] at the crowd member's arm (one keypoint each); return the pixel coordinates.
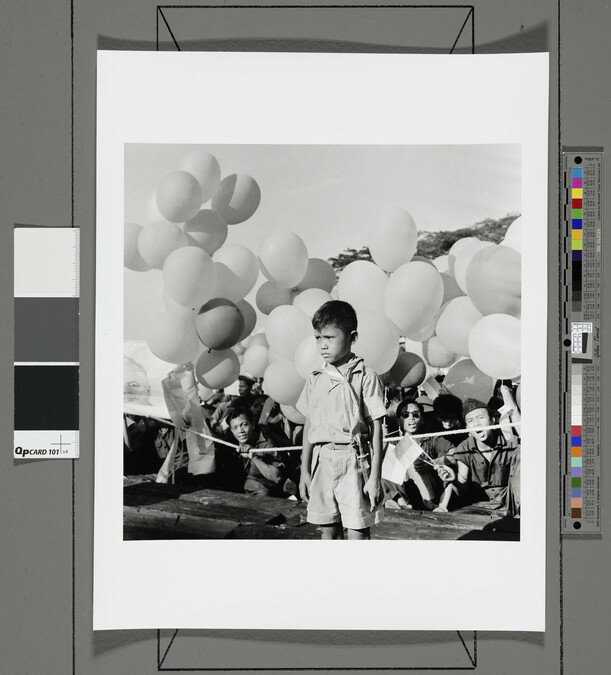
(373, 488)
(306, 464)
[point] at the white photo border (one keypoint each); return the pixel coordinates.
(354, 99)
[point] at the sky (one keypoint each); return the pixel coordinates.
(329, 195)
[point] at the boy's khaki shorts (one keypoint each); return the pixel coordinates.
(336, 490)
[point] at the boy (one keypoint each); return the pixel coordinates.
(340, 401)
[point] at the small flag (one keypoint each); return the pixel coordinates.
(399, 458)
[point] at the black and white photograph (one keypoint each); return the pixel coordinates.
(230, 253)
(321, 307)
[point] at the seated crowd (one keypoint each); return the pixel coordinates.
(463, 465)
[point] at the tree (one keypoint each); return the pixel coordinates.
(433, 244)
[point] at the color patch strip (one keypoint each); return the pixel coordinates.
(46, 289)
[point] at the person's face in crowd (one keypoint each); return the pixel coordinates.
(450, 423)
(333, 344)
(479, 418)
(244, 388)
(411, 418)
(242, 429)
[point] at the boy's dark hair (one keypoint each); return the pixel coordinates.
(236, 412)
(446, 406)
(335, 313)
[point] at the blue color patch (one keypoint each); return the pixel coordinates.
(578, 173)
(576, 441)
(575, 492)
(577, 223)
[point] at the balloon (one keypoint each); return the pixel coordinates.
(494, 344)
(319, 274)
(283, 383)
(519, 396)
(437, 354)
(285, 328)
(217, 370)
(174, 308)
(421, 258)
(188, 275)
(172, 338)
(307, 357)
(413, 296)
(451, 289)
(378, 341)
(205, 168)
(513, 236)
(179, 196)
(494, 281)
(393, 240)
(310, 300)
(292, 414)
(334, 293)
(219, 324)
(258, 339)
(250, 318)
(157, 240)
(131, 255)
(424, 332)
(239, 350)
(457, 247)
(362, 284)
(465, 380)
(442, 263)
(283, 258)
(237, 198)
(455, 323)
(270, 295)
(236, 270)
(464, 258)
(274, 357)
(256, 360)
(207, 229)
(408, 370)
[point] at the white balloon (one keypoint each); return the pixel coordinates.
(307, 357)
(205, 168)
(237, 271)
(285, 328)
(362, 284)
(393, 239)
(513, 236)
(463, 259)
(283, 258)
(310, 300)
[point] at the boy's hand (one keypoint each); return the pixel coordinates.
(373, 490)
(304, 486)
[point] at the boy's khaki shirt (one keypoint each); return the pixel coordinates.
(324, 403)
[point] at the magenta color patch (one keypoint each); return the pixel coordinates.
(577, 182)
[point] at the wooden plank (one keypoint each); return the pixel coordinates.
(159, 524)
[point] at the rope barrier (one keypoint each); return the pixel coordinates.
(290, 448)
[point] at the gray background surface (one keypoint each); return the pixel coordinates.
(43, 630)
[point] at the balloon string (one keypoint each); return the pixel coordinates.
(288, 448)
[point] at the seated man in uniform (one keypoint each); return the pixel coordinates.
(264, 472)
(485, 468)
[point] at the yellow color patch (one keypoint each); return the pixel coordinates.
(577, 193)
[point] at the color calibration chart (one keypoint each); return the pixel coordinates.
(582, 471)
(46, 293)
